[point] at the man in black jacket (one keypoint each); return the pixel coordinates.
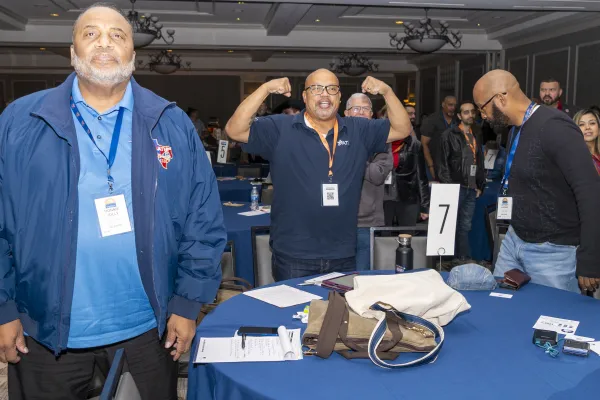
(461, 161)
(432, 128)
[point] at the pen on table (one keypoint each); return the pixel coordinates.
(243, 341)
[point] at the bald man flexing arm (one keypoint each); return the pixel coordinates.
(555, 218)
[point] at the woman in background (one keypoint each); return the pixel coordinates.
(589, 121)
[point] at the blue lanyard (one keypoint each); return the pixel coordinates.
(513, 149)
(110, 160)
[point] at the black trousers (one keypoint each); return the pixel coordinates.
(41, 375)
(405, 213)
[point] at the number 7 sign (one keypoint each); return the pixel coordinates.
(442, 219)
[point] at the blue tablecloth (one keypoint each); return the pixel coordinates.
(487, 354)
(239, 230)
(236, 190)
(478, 237)
(229, 169)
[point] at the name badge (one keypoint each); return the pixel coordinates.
(330, 195)
(504, 209)
(388, 180)
(113, 215)
(473, 170)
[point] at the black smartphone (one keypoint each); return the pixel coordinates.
(256, 330)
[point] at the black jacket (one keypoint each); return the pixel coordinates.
(410, 183)
(455, 154)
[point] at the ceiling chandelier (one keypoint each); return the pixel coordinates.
(165, 62)
(146, 28)
(426, 38)
(353, 65)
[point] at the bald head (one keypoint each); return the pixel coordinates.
(499, 97)
(321, 75)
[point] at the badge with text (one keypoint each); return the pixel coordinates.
(113, 215)
(473, 170)
(222, 151)
(490, 159)
(388, 180)
(330, 195)
(164, 153)
(504, 209)
(443, 210)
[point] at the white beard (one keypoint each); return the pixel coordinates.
(103, 77)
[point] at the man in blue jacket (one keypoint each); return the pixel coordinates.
(111, 229)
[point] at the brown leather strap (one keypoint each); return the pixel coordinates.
(236, 283)
(384, 346)
(334, 317)
(384, 355)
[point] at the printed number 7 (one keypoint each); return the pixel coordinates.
(445, 215)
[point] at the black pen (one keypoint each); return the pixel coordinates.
(243, 341)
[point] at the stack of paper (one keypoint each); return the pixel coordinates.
(282, 296)
(286, 346)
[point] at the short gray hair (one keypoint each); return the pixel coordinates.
(100, 4)
(358, 96)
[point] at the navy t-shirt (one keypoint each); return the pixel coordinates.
(301, 227)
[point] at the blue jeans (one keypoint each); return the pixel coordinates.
(466, 209)
(284, 268)
(363, 249)
(546, 263)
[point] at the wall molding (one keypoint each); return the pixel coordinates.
(526, 57)
(577, 66)
(543, 53)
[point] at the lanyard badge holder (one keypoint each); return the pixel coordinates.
(329, 191)
(113, 216)
(505, 202)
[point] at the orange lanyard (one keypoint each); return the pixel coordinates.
(470, 141)
(324, 141)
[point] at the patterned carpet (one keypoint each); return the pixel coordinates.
(181, 386)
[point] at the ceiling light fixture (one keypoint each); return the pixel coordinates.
(399, 22)
(238, 19)
(230, 51)
(165, 62)
(317, 20)
(352, 65)
(54, 15)
(426, 38)
(42, 48)
(146, 28)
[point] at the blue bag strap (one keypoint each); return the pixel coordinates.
(379, 332)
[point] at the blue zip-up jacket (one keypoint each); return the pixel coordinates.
(178, 220)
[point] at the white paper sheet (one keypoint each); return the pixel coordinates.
(285, 346)
(562, 326)
(252, 213)
(595, 347)
(282, 296)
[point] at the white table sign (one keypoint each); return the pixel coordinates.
(442, 219)
(222, 151)
(490, 159)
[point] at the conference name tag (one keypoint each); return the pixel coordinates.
(330, 195)
(113, 215)
(504, 208)
(388, 180)
(473, 171)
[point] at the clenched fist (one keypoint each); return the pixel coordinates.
(279, 86)
(375, 86)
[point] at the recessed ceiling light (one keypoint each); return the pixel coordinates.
(230, 51)
(42, 48)
(317, 20)
(238, 19)
(478, 24)
(284, 52)
(169, 51)
(240, 2)
(54, 15)
(399, 22)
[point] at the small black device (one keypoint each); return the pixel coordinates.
(576, 348)
(541, 337)
(340, 284)
(255, 331)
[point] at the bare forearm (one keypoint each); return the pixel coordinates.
(238, 126)
(400, 126)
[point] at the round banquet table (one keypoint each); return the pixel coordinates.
(487, 354)
(239, 229)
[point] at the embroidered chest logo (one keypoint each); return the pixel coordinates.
(343, 143)
(164, 153)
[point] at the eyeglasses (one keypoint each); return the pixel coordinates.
(491, 98)
(360, 110)
(317, 90)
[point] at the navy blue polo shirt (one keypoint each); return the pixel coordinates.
(301, 227)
